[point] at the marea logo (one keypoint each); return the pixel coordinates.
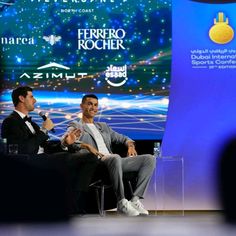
(113, 73)
(53, 75)
(6, 3)
(52, 39)
(17, 41)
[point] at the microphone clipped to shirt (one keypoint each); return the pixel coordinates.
(45, 118)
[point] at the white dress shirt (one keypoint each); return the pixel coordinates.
(102, 148)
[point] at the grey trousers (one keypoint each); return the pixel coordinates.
(143, 164)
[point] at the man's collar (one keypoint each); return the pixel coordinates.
(22, 115)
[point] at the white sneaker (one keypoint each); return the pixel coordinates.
(125, 207)
(139, 207)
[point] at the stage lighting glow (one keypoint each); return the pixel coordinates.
(79, 115)
(68, 117)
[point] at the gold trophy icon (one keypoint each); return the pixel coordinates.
(221, 32)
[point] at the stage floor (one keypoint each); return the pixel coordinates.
(164, 224)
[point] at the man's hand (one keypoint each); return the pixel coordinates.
(131, 150)
(48, 124)
(71, 137)
(92, 150)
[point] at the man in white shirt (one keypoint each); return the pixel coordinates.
(97, 138)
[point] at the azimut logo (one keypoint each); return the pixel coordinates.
(101, 39)
(17, 41)
(57, 71)
(114, 73)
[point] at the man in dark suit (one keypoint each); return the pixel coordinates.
(19, 129)
(77, 170)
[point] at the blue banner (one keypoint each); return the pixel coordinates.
(201, 115)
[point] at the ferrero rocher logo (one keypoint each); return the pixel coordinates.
(221, 32)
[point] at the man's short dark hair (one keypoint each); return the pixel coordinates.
(89, 96)
(20, 91)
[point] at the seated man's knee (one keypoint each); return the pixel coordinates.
(116, 156)
(115, 159)
(150, 160)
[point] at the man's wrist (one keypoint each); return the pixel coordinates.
(131, 145)
(83, 145)
(64, 144)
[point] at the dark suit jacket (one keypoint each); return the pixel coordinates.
(15, 130)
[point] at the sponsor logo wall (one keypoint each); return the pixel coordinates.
(119, 50)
